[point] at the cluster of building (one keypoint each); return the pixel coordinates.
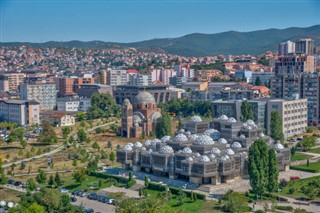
(202, 152)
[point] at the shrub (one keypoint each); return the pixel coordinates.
(259, 211)
(285, 208)
(309, 129)
(305, 169)
(291, 190)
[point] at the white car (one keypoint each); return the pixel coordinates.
(63, 190)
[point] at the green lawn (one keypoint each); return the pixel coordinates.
(91, 183)
(316, 150)
(298, 156)
(313, 167)
(200, 206)
(297, 185)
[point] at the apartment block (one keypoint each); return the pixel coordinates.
(44, 93)
(11, 80)
(294, 114)
(117, 77)
(139, 80)
(20, 111)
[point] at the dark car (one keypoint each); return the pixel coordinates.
(18, 183)
(11, 182)
(88, 210)
(73, 199)
(93, 196)
(101, 198)
(75, 192)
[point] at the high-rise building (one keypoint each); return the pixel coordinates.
(14, 79)
(117, 77)
(40, 91)
(139, 80)
(4, 83)
(102, 76)
(162, 75)
(305, 46)
(287, 47)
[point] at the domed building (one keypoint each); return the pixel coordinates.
(139, 117)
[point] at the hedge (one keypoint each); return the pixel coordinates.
(305, 169)
(285, 208)
(276, 197)
(117, 178)
(174, 190)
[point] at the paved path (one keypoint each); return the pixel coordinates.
(314, 155)
(60, 148)
(48, 172)
(16, 188)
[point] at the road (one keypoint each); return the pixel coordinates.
(60, 148)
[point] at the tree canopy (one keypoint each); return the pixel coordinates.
(102, 106)
(276, 126)
(163, 126)
(246, 111)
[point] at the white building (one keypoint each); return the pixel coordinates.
(117, 77)
(68, 104)
(287, 47)
(139, 80)
(20, 112)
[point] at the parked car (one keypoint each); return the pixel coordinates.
(18, 183)
(294, 178)
(64, 190)
(83, 194)
(73, 199)
(88, 210)
(10, 181)
(75, 192)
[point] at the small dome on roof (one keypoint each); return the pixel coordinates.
(189, 159)
(143, 148)
(214, 134)
(147, 143)
(204, 158)
(242, 136)
(138, 144)
(261, 135)
(186, 150)
(195, 119)
(232, 120)
(222, 141)
(250, 122)
(223, 117)
(204, 140)
(278, 146)
(181, 131)
(223, 158)
(215, 150)
(187, 133)
(229, 152)
(166, 150)
(236, 145)
(212, 156)
(165, 138)
(197, 154)
(180, 138)
(130, 144)
(127, 148)
(144, 97)
(193, 137)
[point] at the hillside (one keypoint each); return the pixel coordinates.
(198, 44)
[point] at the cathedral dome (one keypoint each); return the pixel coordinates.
(144, 97)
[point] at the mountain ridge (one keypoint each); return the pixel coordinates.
(200, 44)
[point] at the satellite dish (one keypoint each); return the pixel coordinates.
(3, 203)
(10, 204)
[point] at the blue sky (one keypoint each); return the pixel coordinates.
(127, 21)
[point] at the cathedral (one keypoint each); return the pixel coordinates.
(140, 117)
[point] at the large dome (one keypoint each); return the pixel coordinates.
(195, 119)
(144, 97)
(204, 140)
(166, 150)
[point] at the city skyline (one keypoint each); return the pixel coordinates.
(126, 21)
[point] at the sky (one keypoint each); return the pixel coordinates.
(136, 20)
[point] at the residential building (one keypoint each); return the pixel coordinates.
(265, 78)
(68, 85)
(199, 95)
(217, 86)
(304, 46)
(84, 104)
(58, 118)
(21, 112)
(139, 80)
(286, 48)
(102, 77)
(4, 83)
(228, 108)
(117, 77)
(14, 79)
(226, 95)
(161, 93)
(87, 90)
(243, 75)
(162, 75)
(208, 75)
(193, 86)
(44, 93)
(293, 113)
(259, 109)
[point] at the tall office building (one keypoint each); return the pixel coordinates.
(117, 77)
(285, 48)
(304, 46)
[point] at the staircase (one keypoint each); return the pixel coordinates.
(204, 188)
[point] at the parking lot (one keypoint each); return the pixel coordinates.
(95, 205)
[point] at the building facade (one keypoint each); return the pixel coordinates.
(20, 112)
(117, 77)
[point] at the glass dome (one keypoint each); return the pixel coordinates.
(278, 146)
(215, 150)
(214, 134)
(180, 138)
(165, 138)
(236, 145)
(204, 140)
(147, 143)
(195, 118)
(204, 158)
(127, 148)
(229, 152)
(138, 144)
(186, 150)
(193, 137)
(166, 150)
(232, 120)
(189, 159)
(223, 141)
(223, 117)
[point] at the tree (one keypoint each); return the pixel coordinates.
(17, 134)
(310, 192)
(234, 201)
(41, 177)
(71, 140)
(35, 208)
(102, 106)
(79, 175)
(307, 142)
(308, 163)
(3, 178)
(23, 143)
(109, 145)
(80, 116)
(130, 176)
(163, 126)
(82, 135)
(276, 126)
(112, 157)
(258, 162)
(181, 197)
(58, 180)
(246, 111)
(51, 181)
(258, 81)
(273, 172)
(95, 145)
(48, 135)
(74, 162)
(66, 131)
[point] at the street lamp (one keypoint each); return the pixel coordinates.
(279, 190)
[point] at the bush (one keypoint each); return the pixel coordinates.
(305, 169)
(291, 190)
(309, 129)
(285, 208)
(117, 178)
(259, 211)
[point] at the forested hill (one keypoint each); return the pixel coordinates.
(198, 44)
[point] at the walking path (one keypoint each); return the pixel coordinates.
(60, 148)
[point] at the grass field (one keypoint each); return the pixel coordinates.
(313, 167)
(298, 156)
(10, 195)
(316, 150)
